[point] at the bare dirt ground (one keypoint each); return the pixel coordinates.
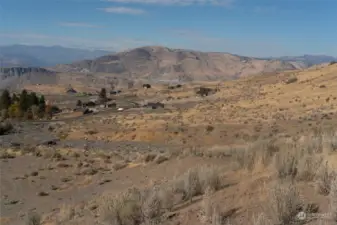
(259, 151)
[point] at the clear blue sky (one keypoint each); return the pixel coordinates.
(246, 27)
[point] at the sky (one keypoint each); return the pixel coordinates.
(259, 28)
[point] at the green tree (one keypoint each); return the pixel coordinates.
(24, 101)
(33, 99)
(5, 100)
(42, 106)
(15, 98)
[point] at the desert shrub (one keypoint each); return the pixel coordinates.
(192, 184)
(119, 165)
(33, 219)
(286, 164)
(152, 206)
(285, 202)
(211, 213)
(308, 166)
(261, 219)
(210, 178)
(66, 213)
(35, 111)
(123, 209)
(149, 157)
(268, 152)
(207, 205)
(312, 145)
(329, 142)
(333, 62)
(245, 157)
(135, 207)
(160, 159)
(333, 199)
(324, 179)
(196, 180)
(4, 114)
(291, 80)
(5, 127)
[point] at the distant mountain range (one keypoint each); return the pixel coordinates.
(41, 56)
(23, 65)
(308, 60)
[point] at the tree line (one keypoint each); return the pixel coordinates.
(24, 105)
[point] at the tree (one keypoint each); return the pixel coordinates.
(33, 99)
(79, 103)
(5, 100)
(24, 101)
(14, 110)
(15, 98)
(42, 106)
(102, 95)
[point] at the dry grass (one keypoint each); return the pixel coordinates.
(119, 165)
(33, 219)
(324, 179)
(66, 214)
(196, 180)
(245, 157)
(135, 207)
(333, 199)
(210, 212)
(285, 202)
(261, 219)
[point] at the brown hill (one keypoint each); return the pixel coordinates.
(161, 63)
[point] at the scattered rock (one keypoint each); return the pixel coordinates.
(34, 174)
(42, 193)
(12, 202)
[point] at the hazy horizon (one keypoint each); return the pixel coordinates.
(112, 52)
(258, 28)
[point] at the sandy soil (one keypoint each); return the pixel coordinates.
(253, 131)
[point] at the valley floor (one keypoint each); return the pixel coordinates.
(260, 151)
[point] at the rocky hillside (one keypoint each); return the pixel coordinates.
(308, 60)
(16, 77)
(160, 63)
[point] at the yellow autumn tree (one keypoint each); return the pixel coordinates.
(14, 110)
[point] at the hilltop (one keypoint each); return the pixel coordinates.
(160, 63)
